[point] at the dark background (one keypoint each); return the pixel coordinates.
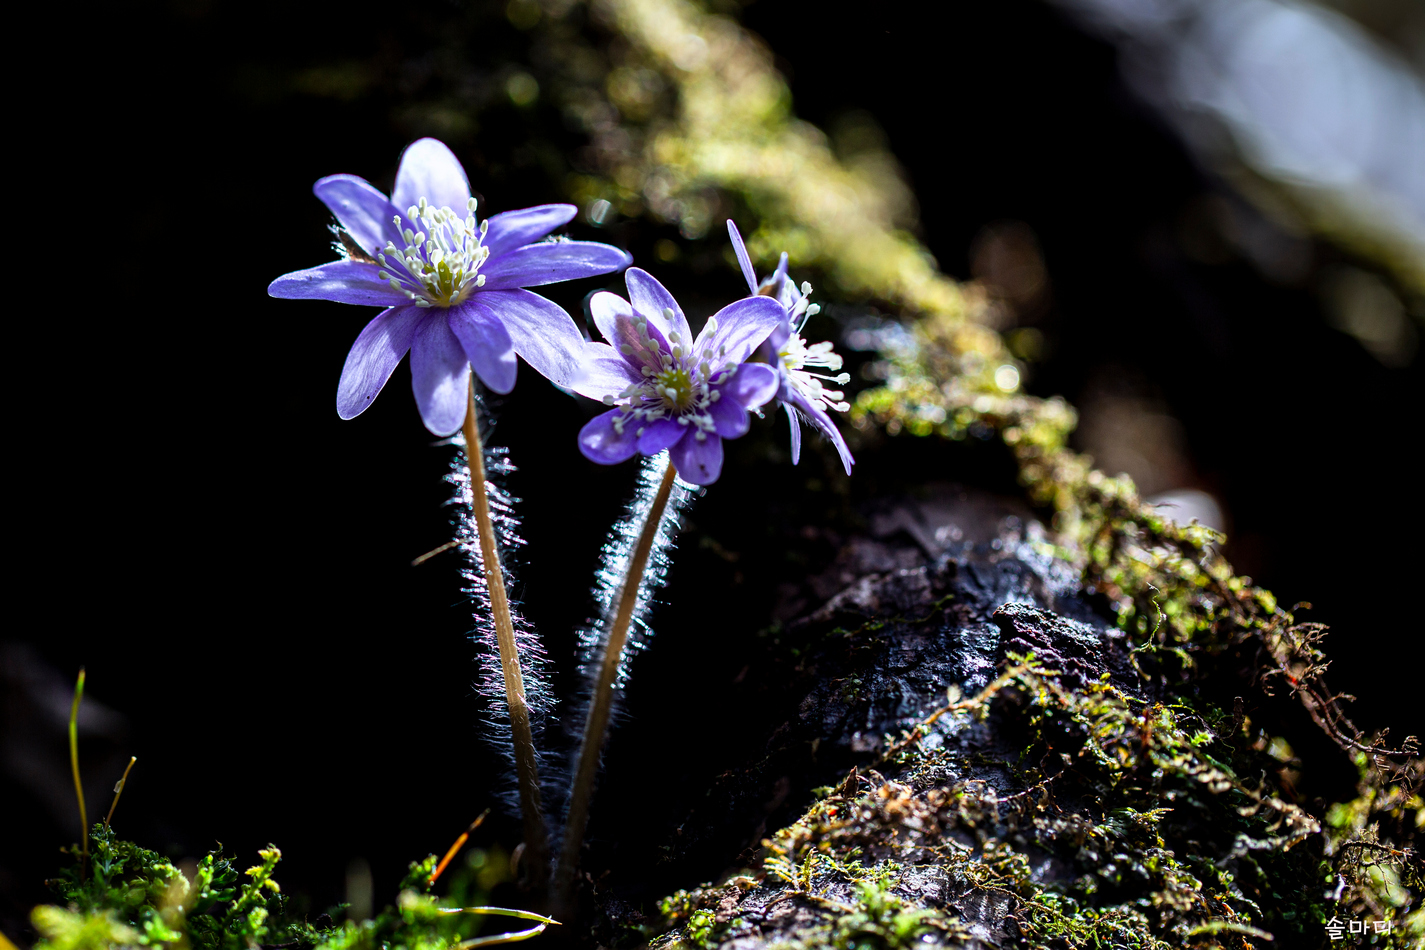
(230, 561)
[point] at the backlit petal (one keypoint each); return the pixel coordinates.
(743, 260)
(542, 332)
(343, 281)
(796, 434)
(604, 372)
(615, 319)
(698, 462)
(741, 325)
(823, 424)
(373, 357)
(659, 435)
(363, 212)
(606, 308)
(431, 171)
(551, 262)
(601, 442)
(440, 376)
(511, 229)
(487, 346)
(730, 419)
(751, 385)
(651, 298)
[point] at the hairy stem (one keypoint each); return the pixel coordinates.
(536, 836)
(601, 705)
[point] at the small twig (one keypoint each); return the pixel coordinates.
(455, 848)
(119, 790)
(74, 767)
(432, 553)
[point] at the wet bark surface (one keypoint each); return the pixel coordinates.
(929, 599)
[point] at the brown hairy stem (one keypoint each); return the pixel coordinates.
(601, 705)
(536, 836)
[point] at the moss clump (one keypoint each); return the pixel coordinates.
(126, 896)
(1118, 822)
(1170, 588)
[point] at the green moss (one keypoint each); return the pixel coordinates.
(126, 896)
(1163, 831)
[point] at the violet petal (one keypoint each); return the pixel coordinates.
(644, 351)
(604, 372)
(615, 319)
(430, 170)
(511, 229)
(751, 385)
(659, 435)
(601, 442)
(542, 332)
(729, 418)
(363, 211)
(796, 433)
(741, 325)
(440, 376)
(698, 462)
(605, 309)
(373, 357)
(487, 345)
(342, 281)
(550, 262)
(822, 423)
(743, 260)
(651, 298)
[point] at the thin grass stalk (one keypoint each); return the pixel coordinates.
(74, 767)
(536, 835)
(601, 704)
(119, 790)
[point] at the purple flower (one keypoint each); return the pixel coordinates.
(671, 391)
(453, 291)
(799, 390)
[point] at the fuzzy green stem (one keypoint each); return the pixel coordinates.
(536, 836)
(74, 767)
(601, 705)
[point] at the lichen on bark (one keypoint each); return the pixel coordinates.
(1026, 772)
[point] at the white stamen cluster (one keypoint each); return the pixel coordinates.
(439, 266)
(795, 354)
(678, 383)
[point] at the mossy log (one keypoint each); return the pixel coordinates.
(986, 759)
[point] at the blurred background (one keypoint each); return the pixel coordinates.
(1201, 222)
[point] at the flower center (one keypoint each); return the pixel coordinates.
(439, 266)
(680, 382)
(675, 386)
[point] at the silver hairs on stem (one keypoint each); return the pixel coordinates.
(613, 566)
(490, 684)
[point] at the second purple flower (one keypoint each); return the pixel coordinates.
(669, 390)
